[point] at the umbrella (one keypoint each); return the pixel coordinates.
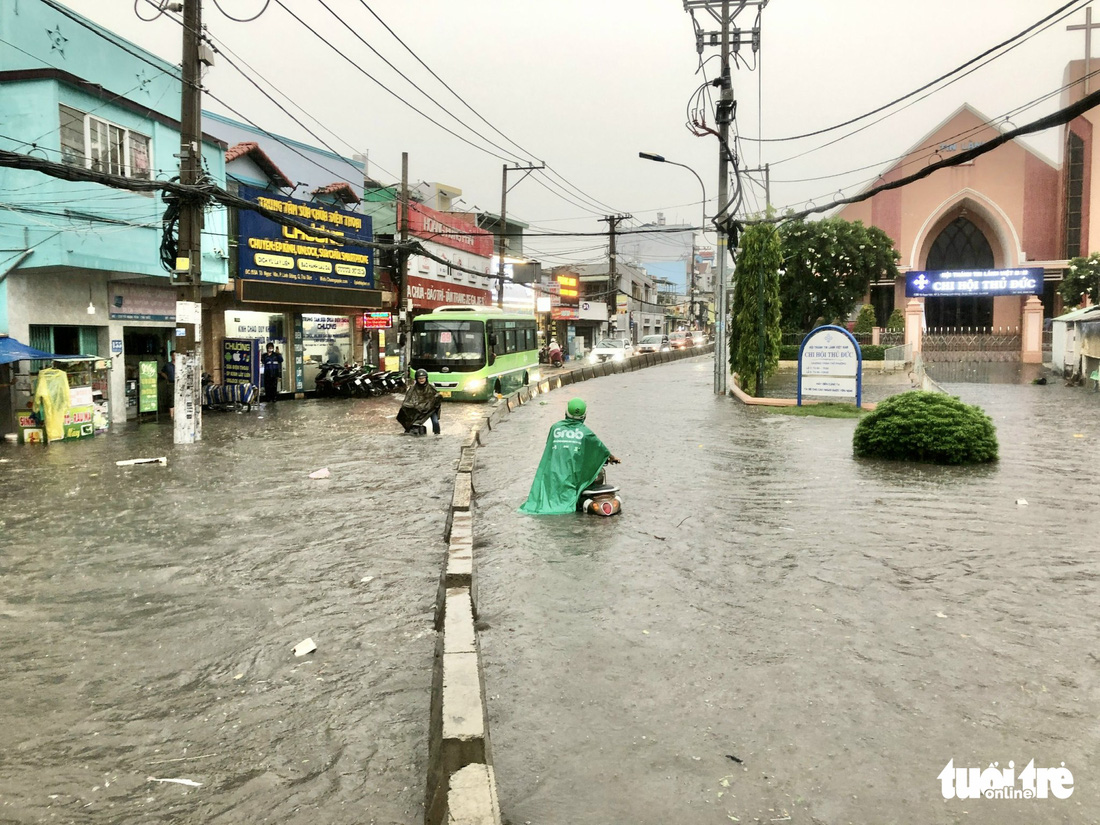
(12, 350)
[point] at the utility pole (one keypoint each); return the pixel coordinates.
(402, 273)
(725, 115)
(187, 426)
(612, 222)
(504, 220)
(727, 40)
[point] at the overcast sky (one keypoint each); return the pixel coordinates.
(584, 85)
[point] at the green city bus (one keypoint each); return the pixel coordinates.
(472, 353)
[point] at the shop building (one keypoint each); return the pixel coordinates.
(316, 301)
(80, 263)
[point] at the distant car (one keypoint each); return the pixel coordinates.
(654, 343)
(610, 349)
(680, 340)
(699, 338)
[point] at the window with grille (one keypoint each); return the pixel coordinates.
(961, 245)
(101, 146)
(1075, 188)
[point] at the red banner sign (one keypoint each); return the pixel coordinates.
(427, 223)
(427, 293)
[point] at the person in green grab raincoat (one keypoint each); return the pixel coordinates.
(572, 460)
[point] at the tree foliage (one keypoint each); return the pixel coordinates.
(1082, 278)
(829, 266)
(926, 426)
(865, 322)
(896, 321)
(758, 263)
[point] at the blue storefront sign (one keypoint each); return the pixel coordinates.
(945, 283)
(270, 252)
(241, 361)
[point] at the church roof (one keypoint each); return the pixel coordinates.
(926, 144)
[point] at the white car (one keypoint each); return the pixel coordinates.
(610, 349)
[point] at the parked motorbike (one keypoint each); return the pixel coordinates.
(601, 498)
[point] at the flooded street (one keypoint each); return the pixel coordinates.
(773, 631)
(149, 615)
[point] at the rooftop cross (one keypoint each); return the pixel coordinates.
(1087, 27)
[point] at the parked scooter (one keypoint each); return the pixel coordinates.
(601, 498)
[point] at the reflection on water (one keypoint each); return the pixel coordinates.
(984, 372)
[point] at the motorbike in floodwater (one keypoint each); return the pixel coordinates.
(600, 498)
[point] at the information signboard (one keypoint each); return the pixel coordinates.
(274, 253)
(377, 320)
(947, 283)
(830, 365)
(241, 361)
(147, 386)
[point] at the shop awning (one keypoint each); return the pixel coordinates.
(12, 350)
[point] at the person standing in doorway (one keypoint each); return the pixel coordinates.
(273, 370)
(166, 390)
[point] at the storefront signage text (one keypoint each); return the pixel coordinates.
(428, 294)
(947, 283)
(241, 361)
(271, 252)
(427, 223)
(377, 320)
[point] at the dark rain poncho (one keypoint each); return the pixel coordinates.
(419, 404)
(572, 459)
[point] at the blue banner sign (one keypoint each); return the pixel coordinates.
(984, 282)
(270, 252)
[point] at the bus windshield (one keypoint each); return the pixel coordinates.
(458, 345)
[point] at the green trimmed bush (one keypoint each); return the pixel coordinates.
(788, 352)
(926, 426)
(873, 352)
(865, 321)
(896, 321)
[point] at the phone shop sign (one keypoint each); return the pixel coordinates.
(830, 365)
(952, 283)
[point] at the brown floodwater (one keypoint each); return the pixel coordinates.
(773, 631)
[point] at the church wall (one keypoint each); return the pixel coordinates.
(1039, 235)
(1083, 127)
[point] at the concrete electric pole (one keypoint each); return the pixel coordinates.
(728, 39)
(612, 222)
(187, 427)
(504, 221)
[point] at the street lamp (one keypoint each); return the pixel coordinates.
(702, 225)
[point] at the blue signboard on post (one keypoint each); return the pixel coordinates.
(948, 283)
(270, 252)
(830, 365)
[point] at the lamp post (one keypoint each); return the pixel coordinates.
(702, 225)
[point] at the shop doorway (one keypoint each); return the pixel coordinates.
(146, 344)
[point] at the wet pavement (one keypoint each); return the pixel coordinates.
(773, 631)
(147, 617)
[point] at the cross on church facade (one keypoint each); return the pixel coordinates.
(1088, 27)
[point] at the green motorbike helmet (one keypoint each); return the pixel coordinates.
(576, 409)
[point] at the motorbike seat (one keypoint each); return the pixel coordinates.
(600, 490)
